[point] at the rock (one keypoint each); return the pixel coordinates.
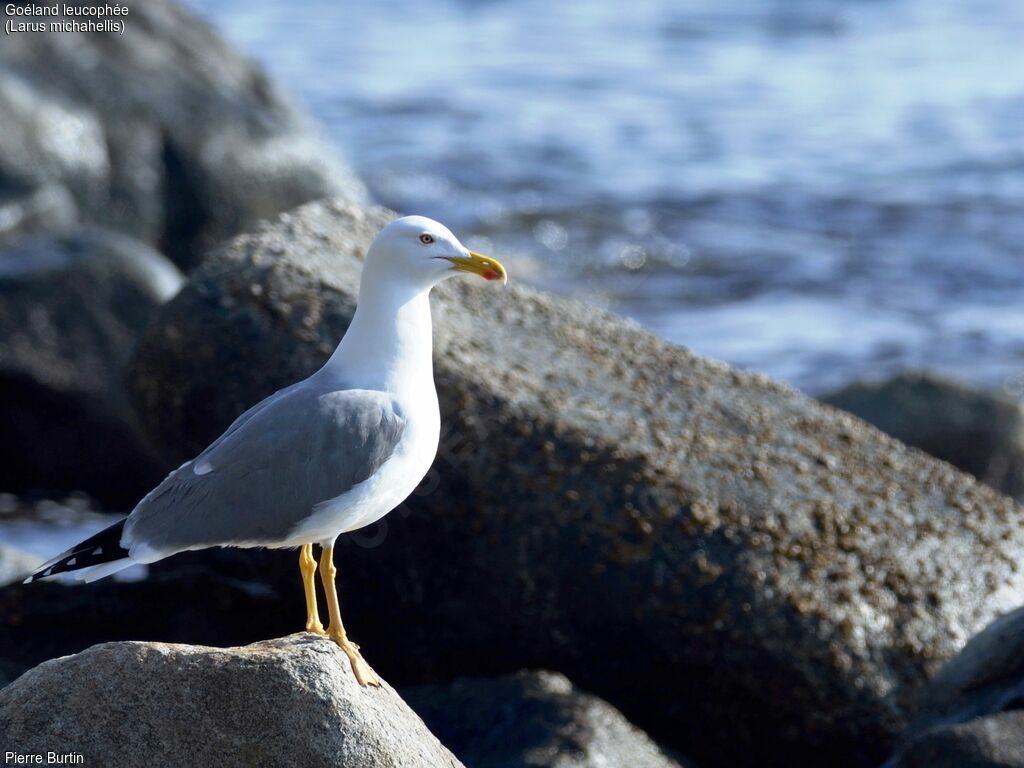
(746, 574)
(971, 711)
(74, 306)
(47, 209)
(996, 741)
(532, 720)
(165, 133)
(980, 432)
(71, 310)
(963, 702)
(286, 702)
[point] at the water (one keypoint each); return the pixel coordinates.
(47, 527)
(820, 190)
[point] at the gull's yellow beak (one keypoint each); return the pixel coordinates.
(485, 266)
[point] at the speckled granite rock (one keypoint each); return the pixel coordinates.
(970, 711)
(286, 702)
(166, 133)
(532, 720)
(995, 741)
(25, 210)
(981, 432)
(739, 569)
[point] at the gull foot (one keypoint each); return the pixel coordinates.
(316, 628)
(364, 675)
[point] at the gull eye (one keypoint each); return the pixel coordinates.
(427, 239)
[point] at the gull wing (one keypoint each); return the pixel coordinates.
(264, 475)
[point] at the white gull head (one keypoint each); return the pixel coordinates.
(417, 253)
(388, 344)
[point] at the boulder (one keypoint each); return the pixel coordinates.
(532, 720)
(47, 208)
(996, 741)
(980, 432)
(970, 711)
(71, 310)
(166, 132)
(748, 575)
(286, 702)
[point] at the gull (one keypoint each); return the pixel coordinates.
(327, 455)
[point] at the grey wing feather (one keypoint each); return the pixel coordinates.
(245, 417)
(265, 474)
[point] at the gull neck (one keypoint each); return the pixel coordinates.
(389, 343)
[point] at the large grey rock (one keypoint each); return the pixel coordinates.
(25, 211)
(963, 703)
(970, 712)
(532, 720)
(286, 702)
(166, 132)
(996, 741)
(71, 310)
(745, 573)
(978, 431)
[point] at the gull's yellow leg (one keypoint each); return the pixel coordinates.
(336, 630)
(307, 565)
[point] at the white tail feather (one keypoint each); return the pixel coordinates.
(96, 572)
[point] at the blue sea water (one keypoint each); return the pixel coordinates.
(822, 190)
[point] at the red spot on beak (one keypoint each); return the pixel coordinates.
(490, 274)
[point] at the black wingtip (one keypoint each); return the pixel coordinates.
(101, 548)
